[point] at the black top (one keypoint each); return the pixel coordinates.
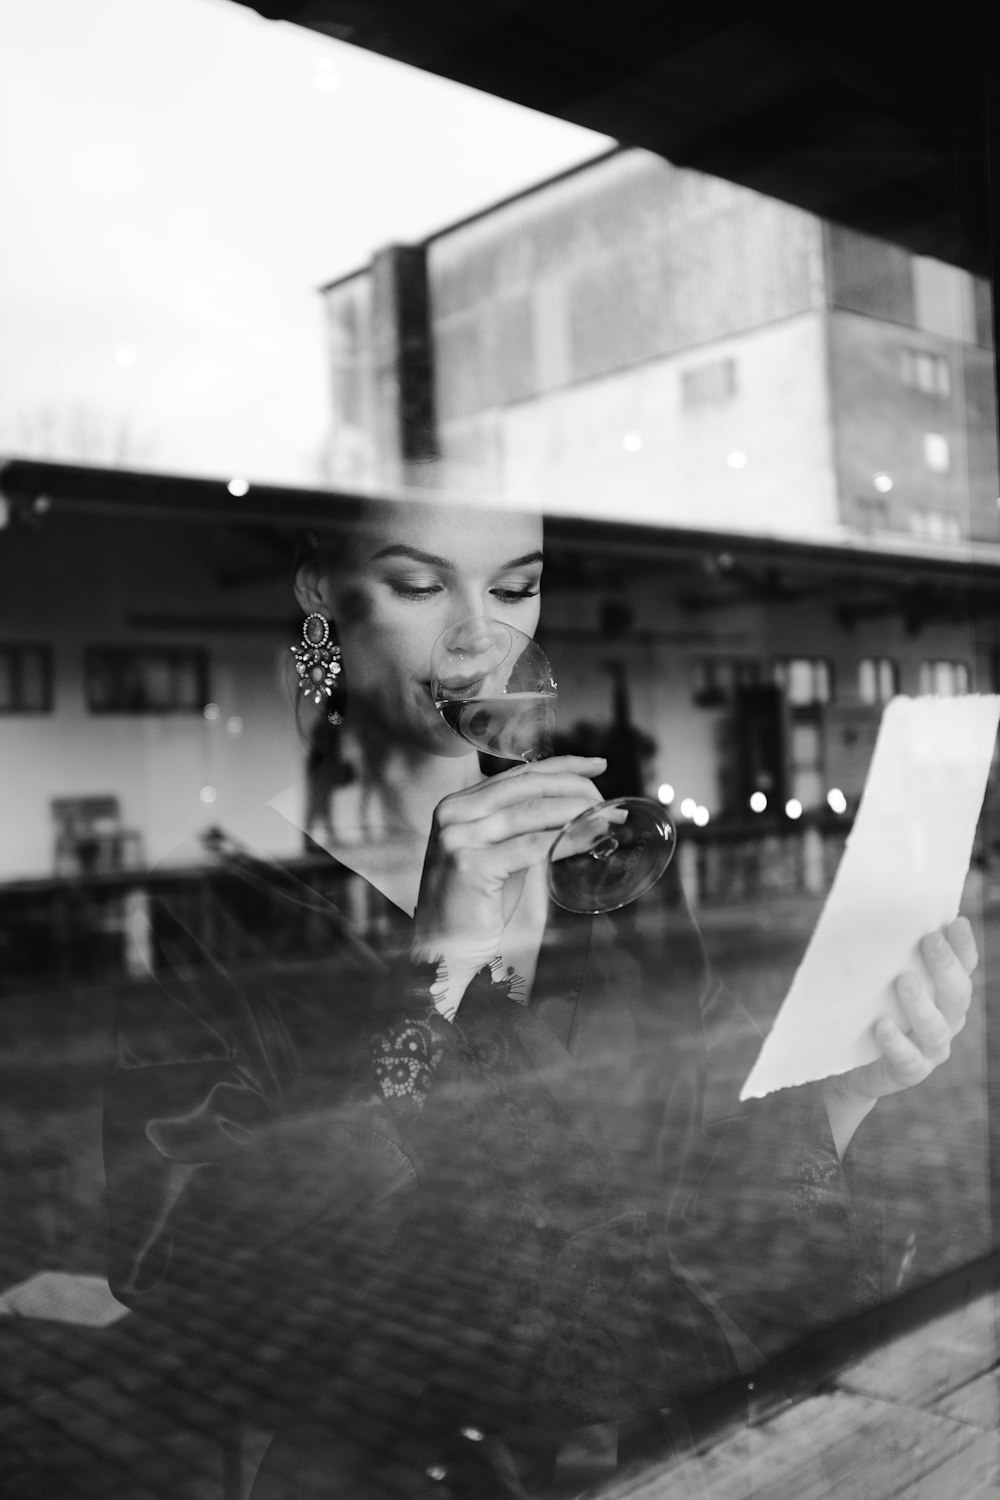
(366, 1223)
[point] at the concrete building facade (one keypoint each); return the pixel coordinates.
(641, 343)
(643, 340)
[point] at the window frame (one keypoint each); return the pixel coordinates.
(118, 656)
(878, 663)
(15, 651)
(781, 675)
(929, 669)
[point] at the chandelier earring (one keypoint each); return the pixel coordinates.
(317, 661)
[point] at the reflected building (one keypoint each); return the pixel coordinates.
(640, 343)
(637, 339)
(765, 445)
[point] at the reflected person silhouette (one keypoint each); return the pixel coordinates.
(421, 1208)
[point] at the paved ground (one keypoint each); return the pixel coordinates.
(122, 1414)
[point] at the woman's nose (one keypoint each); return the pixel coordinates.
(470, 634)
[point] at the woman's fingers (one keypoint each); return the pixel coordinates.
(949, 968)
(525, 784)
(530, 815)
(928, 1028)
(963, 941)
(904, 1060)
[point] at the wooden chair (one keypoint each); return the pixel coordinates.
(90, 839)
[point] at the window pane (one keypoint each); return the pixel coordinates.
(157, 680)
(800, 681)
(807, 785)
(188, 692)
(937, 455)
(806, 745)
(34, 679)
(100, 681)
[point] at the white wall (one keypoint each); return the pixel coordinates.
(77, 581)
(566, 450)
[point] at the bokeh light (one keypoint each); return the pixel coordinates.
(632, 442)
(238, 487)
(758, 802)
(665, 793)
(836, 800)
(208, 794)
(689, 807)
(793, 808)
(235, 724)
(737, 459)
(211, 711)
(701, 816)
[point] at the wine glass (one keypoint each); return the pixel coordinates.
(493, 685)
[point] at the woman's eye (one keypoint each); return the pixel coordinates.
(513, 596)
(415, 590)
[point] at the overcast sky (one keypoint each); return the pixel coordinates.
(177, 179)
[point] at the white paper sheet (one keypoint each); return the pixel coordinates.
(901, 877)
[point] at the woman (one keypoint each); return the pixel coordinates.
(422, 1210)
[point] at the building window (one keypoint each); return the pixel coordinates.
(871, 514)
(927, 372)
(804, 679)
(145, 679)
(945, 679)
(714, 679)
(708, 384)
(935, 525)
(25, 679)
(806, 753)
(937, 454)
(878, 679)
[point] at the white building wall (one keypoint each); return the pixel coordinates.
(626, 447)
(76, 581)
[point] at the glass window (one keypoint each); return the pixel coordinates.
(937, 454)
(923, 370)
(805, 679)
(25, 679)
(944, 679)
(878, 679)
(714, 678)
(145, 680)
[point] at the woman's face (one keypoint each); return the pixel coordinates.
(409, 573)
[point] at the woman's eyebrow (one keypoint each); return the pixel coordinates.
(400, 549)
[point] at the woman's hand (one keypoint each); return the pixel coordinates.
(482, 841)
(935, 1009)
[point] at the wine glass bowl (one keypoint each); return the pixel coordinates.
(493, 686)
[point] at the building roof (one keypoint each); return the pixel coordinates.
(712, 568)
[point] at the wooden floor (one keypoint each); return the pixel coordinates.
(918, 1419)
